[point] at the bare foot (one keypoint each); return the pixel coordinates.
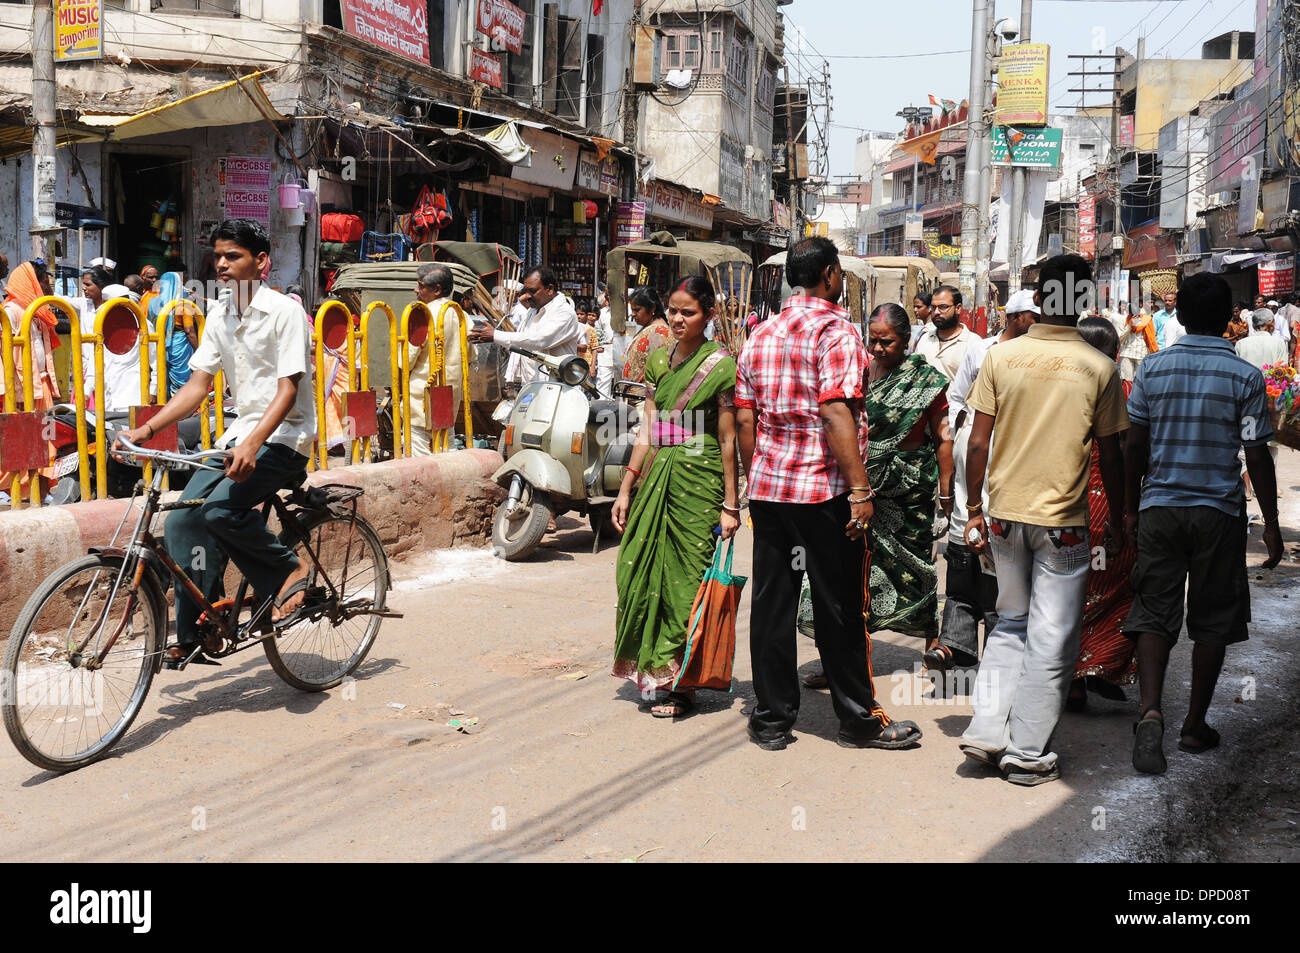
(289, 602)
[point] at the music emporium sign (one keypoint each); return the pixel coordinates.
(77, 30)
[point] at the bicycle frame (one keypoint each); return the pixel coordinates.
(143, 540)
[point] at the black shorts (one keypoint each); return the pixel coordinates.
(1199, 551)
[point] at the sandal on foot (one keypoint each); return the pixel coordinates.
(895, 735)
(1148, 743)
(980, 756)
(676, 705)
(938, 659)
(1027, 778)
(816, 680)
(1107, 690)
(1202, 739)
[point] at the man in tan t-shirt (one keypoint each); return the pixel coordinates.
(1051, 395)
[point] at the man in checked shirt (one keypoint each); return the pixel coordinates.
(803, 443)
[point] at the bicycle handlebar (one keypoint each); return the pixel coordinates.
(191, 460)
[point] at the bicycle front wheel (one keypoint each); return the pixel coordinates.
(334, 631)
(67, 700)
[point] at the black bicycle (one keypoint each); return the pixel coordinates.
(85, 648)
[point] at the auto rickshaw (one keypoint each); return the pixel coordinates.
(860, 287)
(661, 261)
(903, 277)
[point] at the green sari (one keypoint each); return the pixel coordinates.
(669, 542)
(904, 584)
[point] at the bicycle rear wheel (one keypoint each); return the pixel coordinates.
(61, 712)
(333, 635)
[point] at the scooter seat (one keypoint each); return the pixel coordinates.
(602, 412)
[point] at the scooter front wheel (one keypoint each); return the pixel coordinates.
(515, 534)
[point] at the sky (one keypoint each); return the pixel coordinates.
(866, 93)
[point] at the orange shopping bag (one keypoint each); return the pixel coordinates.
(711, 641)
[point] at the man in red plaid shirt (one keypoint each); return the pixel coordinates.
(803, 443)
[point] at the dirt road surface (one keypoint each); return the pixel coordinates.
(566, 763)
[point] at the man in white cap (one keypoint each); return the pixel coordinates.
(971, 592)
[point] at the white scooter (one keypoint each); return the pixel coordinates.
(566, 449)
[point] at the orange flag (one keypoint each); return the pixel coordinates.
(924, 147)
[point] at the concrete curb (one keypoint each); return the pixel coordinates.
(414, 504)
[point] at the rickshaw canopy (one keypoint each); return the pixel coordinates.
(693, 258)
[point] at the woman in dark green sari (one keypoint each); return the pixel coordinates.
(909, 453)
(688, 433)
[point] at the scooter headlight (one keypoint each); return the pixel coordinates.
(574, 370)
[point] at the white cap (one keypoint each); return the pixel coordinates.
(1022, 300)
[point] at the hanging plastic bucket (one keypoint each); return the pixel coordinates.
(295, 216)
(289, 190)
(308, 198)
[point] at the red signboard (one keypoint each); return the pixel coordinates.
(399, 26)
(484, 68)
(1277, 277)
(1088, 225)
(503, 22)
(1126, 132)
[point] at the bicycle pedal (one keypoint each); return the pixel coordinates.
(194, 658)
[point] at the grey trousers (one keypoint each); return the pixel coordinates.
(1029, 657)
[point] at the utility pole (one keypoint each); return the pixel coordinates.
(44, 174)
(1019, 188)
(983, 249)
(791, 170)
(976, 130)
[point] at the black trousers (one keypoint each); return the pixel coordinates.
(972, 598)
(788, 538)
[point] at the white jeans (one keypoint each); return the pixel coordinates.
(605, 382)
(1029, 657)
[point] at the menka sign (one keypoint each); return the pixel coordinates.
(1022, 85)
(484, 68)
(77, 29)
(503, 22)
(399, 26)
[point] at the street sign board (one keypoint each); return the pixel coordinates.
(1033, 148)
(77, 29)
(1022, 84)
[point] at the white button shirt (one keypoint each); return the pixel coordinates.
(554, 331)
(270, 340)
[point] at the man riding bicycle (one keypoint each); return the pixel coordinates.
(259, 339)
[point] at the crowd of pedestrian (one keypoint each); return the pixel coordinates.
(1086, 470)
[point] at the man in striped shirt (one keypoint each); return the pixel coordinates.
(1192, 408)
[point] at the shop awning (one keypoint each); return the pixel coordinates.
(505, 142)
(234, 103)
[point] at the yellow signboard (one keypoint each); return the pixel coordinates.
(1022, 85)
(77, 29)
(817, 229)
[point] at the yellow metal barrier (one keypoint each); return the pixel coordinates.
(96, 340)
(363, 367)
(423, 328)
(327, 317)
(417, 321)
(206, 436)
(24, 340)
(443, 442)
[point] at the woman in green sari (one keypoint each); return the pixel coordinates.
(689, 487)
(909, 453)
